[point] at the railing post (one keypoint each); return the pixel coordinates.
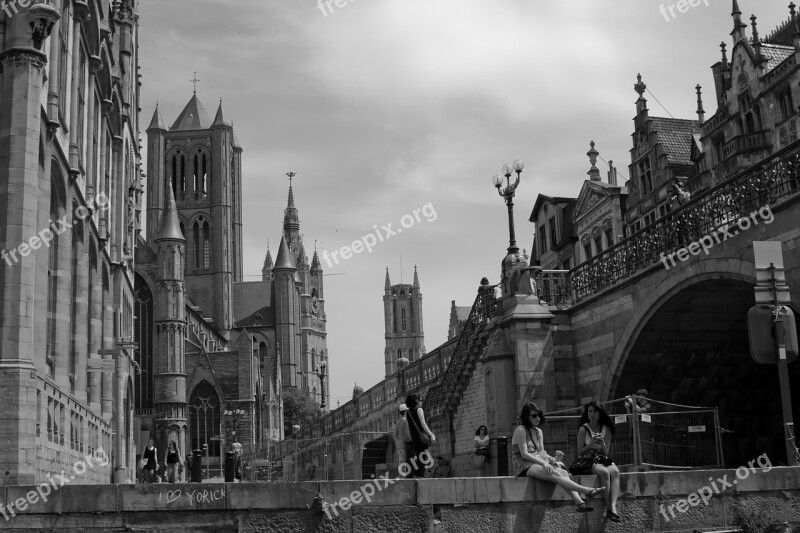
(637, 443)
(718, 439)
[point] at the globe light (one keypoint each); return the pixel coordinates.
(498, 181)
(506, 170)
(519, 165)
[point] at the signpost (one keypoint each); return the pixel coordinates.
(771, 325)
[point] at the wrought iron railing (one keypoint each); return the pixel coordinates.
(553, 287)
(762, 185)
(446, 395)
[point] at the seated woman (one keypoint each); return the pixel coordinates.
(482, 444)
(594, 439)
(530, 459)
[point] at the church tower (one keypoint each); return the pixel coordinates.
(402, 308)
(200, 160)
(287, 316)
(170, 329)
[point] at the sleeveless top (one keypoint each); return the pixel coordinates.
(482, 442)
(173, 457)
(150, 455)
(519, 463)
(590, 437)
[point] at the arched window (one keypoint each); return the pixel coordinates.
(197, 248)
(399, 353)
(143, 335)
(183, 170)
(410, 355)
(56, 204)
(174, 176)
(206, 247)
(91, 298)
(204, 418)
(196, 175)
(403, 319)
(77, 249)
(204, 192)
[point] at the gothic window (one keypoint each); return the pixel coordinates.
(183, 172)
(587, 250)
(204, 418)
(750, 113)
(197, 248)
(204, 193)
(77, 248)
(63, 67)
(609, 238)
(206, 247)
(196, 177)
(175, 177)
(81, 102)
(91, 297)
(399, 354)
(143, 335)
(52, 269)
(410, 355)
(402, 319)
(598, 244)
(95, 143)
(553, 232)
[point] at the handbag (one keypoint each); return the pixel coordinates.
(582, 466)
(423, 436)
(142, 463)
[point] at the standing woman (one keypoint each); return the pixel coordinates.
(530, 459)
(482, 443)
(420, 432)
(150, 468)
(594, 439)
(172, 460)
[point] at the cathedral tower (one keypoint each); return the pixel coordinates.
(200, 159)
(402, 307)
(287, 317)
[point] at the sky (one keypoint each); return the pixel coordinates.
(384, 107)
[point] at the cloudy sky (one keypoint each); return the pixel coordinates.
(385, 106)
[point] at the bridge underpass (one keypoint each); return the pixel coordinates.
(694, 350)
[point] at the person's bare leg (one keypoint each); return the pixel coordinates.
(605, 477)
(563, 481)
(614, 487)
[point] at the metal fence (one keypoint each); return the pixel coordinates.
(661, 435)
(356, 455)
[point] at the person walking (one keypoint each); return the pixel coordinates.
(172, 459)
(593, 442)
(530, 459)
(150, 467)
(421, 435)
(402, 437)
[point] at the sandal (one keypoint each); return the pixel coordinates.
(594, 492)
(583, 508)
(614, 517)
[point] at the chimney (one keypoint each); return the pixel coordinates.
(701, 114)
(612, 173)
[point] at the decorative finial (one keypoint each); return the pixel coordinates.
(639, 86)
(594, 172)
(792, 12)
(755, 30)
(194, 82)
(291, 174)
(700, 111)
(723, 46)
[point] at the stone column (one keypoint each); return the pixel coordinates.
(81, 329)
(22, 78)
(74, 142)
(95, 340)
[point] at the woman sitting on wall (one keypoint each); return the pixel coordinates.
(530, 459)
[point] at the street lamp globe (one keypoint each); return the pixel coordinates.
(497, 181)
(506, 170)
(519, 165)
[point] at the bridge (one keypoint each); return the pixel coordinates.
(653, 311)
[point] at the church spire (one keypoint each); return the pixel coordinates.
(218, 118)
(157, 123)
(285, 259)
(387, 284)
(169, 227)
(416, 278)
(291, 221)
(738, 26)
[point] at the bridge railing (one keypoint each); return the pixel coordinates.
(760, 186)
(664, 436)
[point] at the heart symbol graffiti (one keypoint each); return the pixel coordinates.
(173, 495)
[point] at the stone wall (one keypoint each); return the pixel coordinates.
(651, 502)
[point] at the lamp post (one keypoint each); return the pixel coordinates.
(320, 373)
(507, 193)
(295, 429)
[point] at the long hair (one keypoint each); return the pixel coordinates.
(478, 431)
(411, 402)
(527, 409)
(605, 420)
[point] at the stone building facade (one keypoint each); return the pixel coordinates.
(70, 165)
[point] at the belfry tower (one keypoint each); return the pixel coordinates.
(402, 309)
(201, 161)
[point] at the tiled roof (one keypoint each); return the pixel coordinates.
(676, 137)
(775, 54)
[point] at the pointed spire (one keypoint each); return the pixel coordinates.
(285, 259)
(193, 117)
(157, 123)
(701, 114)
(416, 279)
(796, 33)
(316, 266)
(218, 119)
(302, 259)
(387, 284)
(169, 227)
(291, 221)
(594, 172)
(738, 26)
(268, 258)
(757, 42)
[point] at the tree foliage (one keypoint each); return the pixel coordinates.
(299, 408)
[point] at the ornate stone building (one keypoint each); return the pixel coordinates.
(216, 351)
(70, 205)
